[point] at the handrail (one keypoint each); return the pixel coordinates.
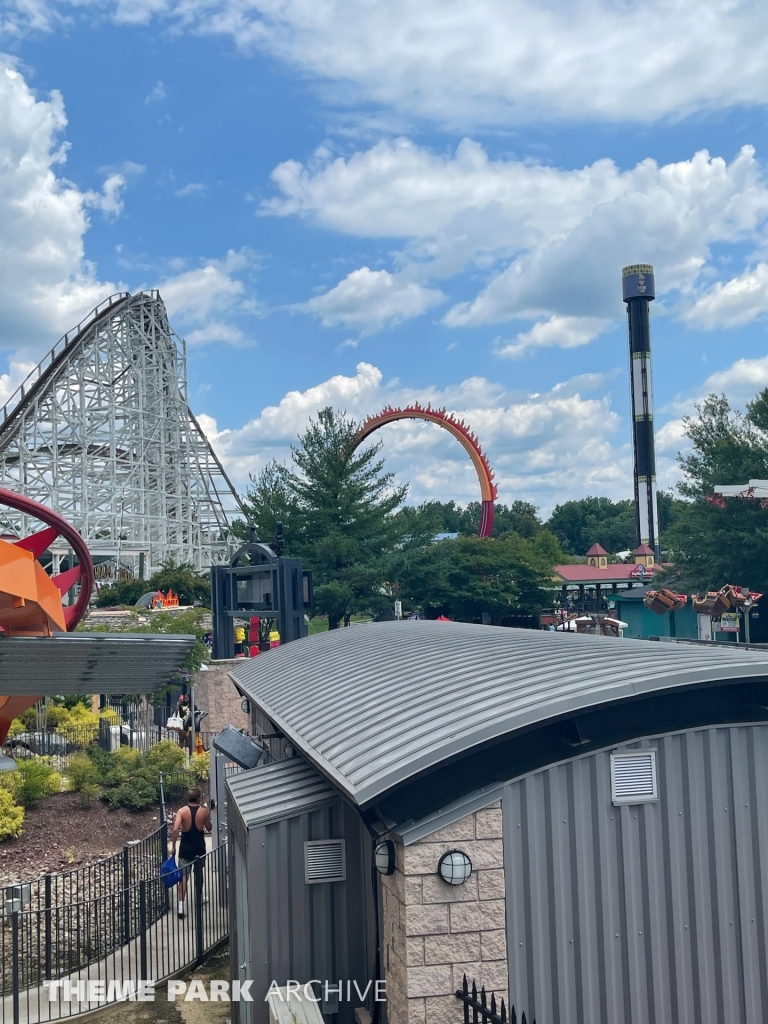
(63, 343)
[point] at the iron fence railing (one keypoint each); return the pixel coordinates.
(138, 860)
(481, 1010)
(59, 744)
(62, 961)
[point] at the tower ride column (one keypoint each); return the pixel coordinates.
(639, 291)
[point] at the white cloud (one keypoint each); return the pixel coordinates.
(491, 61)
(46, 285)
(739, 382)
(668, 216)
(544, 448)
(229, 334)
(561, 331)
(194, 188)
(368, 299)
(195, 294)
(731, 303)
(155, 94)
(109, 200)
(198, 299)
(551, 242)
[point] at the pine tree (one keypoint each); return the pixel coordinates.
(338, 508)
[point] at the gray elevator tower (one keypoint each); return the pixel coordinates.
(639, 291)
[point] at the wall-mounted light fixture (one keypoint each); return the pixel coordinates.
(384, 857)
(454, 867)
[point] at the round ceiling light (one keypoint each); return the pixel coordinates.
(454, 867)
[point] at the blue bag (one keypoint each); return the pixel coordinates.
(170, 875)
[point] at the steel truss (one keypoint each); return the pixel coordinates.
(101, 431)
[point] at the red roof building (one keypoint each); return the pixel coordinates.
(599, 573)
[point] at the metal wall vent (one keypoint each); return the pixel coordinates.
(633, 777)
(324, 861)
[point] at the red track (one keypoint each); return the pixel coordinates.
(461, 432)
(38, 542)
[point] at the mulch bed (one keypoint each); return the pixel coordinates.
(59, 834)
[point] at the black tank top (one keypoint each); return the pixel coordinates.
(192, 842)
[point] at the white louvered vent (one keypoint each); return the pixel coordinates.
(633, 777)
(324, 861)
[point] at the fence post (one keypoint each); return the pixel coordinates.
(163, 855)
(162, 801)
(126, 896)
(15, 964)
(198, 876)
(48, 901)
(143, 928)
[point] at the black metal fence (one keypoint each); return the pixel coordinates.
(139, 860)
(478, 1010)
(60, 961)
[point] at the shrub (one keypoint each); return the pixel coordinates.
(166, 756)
(200, 765)
(81, 773)
(35, 779)
(138, 794)
(11, 817)
(103, 761)
(87, 793)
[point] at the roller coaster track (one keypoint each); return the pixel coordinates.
(101, 431)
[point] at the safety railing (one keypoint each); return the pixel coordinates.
(138, 860)
(61, 961)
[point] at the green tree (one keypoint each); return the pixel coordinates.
(269, 501)
(465, 577)
(586, 521)
(712, 546)
(520, 517)
(338, 508)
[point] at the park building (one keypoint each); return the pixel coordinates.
(578, 823)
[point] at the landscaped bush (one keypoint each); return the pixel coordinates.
(200, 764)
(166, 756)
(34, 779)
(11, 816)
(83, 777)
(137, 795)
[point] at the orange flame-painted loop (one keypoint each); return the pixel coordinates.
(461, 432)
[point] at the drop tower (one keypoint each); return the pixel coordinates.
(638, 289)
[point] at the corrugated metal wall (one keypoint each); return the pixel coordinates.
(301, 931)
(648, 914)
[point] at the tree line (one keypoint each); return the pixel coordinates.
(344, 514)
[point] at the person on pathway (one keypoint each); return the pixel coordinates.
(191, 823)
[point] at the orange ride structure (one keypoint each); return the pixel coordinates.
(462, 433)
(31, 602)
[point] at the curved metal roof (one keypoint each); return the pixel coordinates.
(278, 790)
(373, 705)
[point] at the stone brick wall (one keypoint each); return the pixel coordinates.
(215, 693)
(434, 933)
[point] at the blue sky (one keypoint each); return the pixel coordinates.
(355, 204)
